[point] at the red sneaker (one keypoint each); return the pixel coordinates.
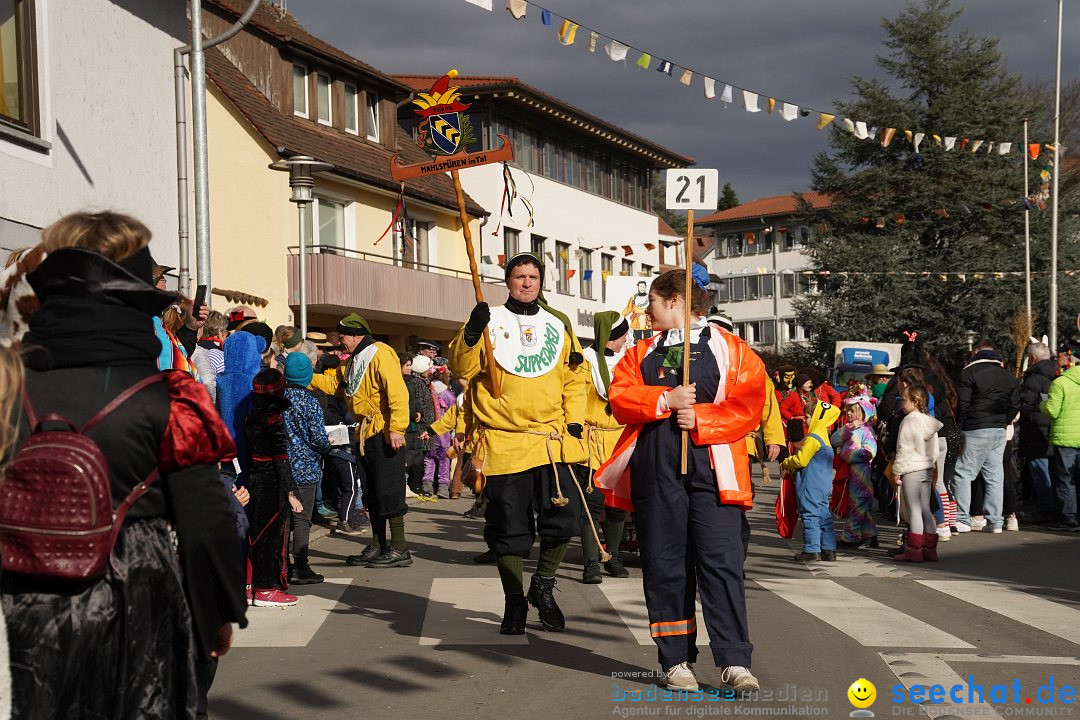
(272, 598)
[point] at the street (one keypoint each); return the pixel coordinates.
(424, 642)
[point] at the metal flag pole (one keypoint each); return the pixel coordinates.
(1054, 191)
(1027, 237)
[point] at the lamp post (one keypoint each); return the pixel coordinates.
(1054, 193)
(301, 169)
(971, 335)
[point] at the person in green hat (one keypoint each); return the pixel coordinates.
(602, 431)
(522, 437)
(372, 385)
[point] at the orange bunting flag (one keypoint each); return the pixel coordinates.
(1033, 150)
(964, 143)
(650, 246)
(502, 261)
(751, 238)
(772, 104)
(941, 213)
(627, 250)
(570, 273)
(887, 136)
(909, 135)
(900, 219)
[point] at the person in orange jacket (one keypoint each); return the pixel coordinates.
(688, 525)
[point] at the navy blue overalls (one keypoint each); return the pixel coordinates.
(688, 539)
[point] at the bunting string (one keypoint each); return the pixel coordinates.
(619, 51)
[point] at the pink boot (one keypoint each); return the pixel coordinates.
(929, 549)
(914, 550)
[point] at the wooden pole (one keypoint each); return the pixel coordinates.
(689, 260)
(493, 374)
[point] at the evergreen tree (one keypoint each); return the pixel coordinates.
(936, 211)
(728, 198)
(677, 220)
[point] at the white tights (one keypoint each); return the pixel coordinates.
(916, 487)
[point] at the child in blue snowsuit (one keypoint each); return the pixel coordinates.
(813, 468)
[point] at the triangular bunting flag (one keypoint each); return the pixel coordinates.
(710, 88)
(849, 125)
(570, 273)
(517, 8)
(750, 101)
(887, 136)
(918, 141)
(964, 143)
(664, 67)
(588, 275)
(502, 261)
(627, 250)
(1004, 148)
(545, 17)
(486, 4)
(909, 136)
(860, 130)
(616, 50)
(772, 104)
(1033, 150)
(685, 79)
(936, 139)
(950, 143)
(567, 32)
(644, 61)
(976, 145)
(564, 255)
(824, 119)
(726, 95)
(593, 38)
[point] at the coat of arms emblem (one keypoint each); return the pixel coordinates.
(444, 128)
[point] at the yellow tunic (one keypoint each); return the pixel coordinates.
(452, 419)
(601, 429)
(382, 397)
(517, 424)
(771, 422)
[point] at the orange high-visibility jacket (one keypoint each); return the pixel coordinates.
(722, 424)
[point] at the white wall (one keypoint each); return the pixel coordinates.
(106, 108)
(568, 215)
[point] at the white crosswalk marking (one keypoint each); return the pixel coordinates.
(1020, 606)
(867, 621)
(628, 598)
(466, 611)
(293, 626)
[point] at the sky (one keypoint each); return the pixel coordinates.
(802, 51)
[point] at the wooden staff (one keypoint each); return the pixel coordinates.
(493, 375)
(686, 323)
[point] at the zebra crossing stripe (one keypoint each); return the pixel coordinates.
(466, 611)
(1023, 607)
(292, 626)
(628, 598)
(867, 621)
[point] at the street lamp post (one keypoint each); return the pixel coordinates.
(1054, 194)
(301, 169)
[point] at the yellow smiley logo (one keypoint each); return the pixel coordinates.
(862, 693)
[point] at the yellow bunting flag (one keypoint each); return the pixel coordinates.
(887, 136)
(644, 61)
(908, 134)
(937, 139)
(605, 274)
(975, 145)
(849, 125)
(772, 104)
(824, 119)
(564, 255)
(567, 32)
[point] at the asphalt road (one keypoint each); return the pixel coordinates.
(998, 610)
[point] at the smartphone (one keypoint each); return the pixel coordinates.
(200, 299)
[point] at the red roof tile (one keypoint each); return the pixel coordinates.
(351, 156)
(665, 229)
(765, 207)
(489, 83)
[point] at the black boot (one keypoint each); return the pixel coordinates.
(371, 552)
(541, 597)
(615, 568)
(391, 557)
(514, 615)
(591, 574)
(304, 575)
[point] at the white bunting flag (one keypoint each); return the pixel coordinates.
(860, 130)
(917, 141)
(710, 88)
(950, 143)
(975, 145)
(849, 125)
(1004, 148)
(517, 8)
(750, 101)
(593, 37)
(789, 112)
(616, 50)
(486, 4)
(726, 95)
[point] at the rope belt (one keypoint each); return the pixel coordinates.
(364, 422)
(593, 440)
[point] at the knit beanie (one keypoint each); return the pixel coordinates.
(800, 380)
(298, 370)
(421, 364)
(353, 324)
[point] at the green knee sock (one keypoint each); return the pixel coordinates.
(613, 530)
(397, 532)
(588, 542)
(510, 574)
(551, 556)
(378, 531)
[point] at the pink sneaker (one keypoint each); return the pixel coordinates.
(272, 598)
(250, 595)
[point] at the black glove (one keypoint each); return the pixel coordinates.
(477, 324)
(576, 430)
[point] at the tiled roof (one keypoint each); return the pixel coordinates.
(665, 229)
(270, 18)
(598, 126)
(352, 156)
(764, 207)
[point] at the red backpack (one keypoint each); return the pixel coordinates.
(56, 513)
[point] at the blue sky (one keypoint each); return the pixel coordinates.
(803, 51)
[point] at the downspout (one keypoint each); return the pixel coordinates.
(179, 72)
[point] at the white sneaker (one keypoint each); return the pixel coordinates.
(962, 528)
(1012, 524)
(944, 534)
(738, 678)
(409, 493)
(995, 530)
(978, 523)
(681, 677)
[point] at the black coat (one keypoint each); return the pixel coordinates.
(989, 395)
(1034, 425)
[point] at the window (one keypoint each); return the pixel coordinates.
(789, 239)
(766, 290)
(607, 268)
(585, 268)
(412, 251)
(738, 289)
(18, 76)
(768, 332)
(322, 98)
(627, 268)
(329, 232)
(538, 246)
(299, 90)
(352, 109)
(723, 291)
(646, 270)
(371, 117)
(511, 238)
(562, 265)
(753, 287)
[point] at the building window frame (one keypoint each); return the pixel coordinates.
(607, 269)
(585, 268)
(511, 243)
(342, 217)
(323, 82)
(562, 265)
(26, 71)
(352, 102)
(300, 81)
(371, 116)
(538, 247)
(626, 268)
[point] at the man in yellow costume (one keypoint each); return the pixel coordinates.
(521, 437)
(602, 431)
(372, 385)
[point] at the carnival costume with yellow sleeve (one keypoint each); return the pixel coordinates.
(688, 525)
(521, 440)
(372, 385)
(602, 431)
